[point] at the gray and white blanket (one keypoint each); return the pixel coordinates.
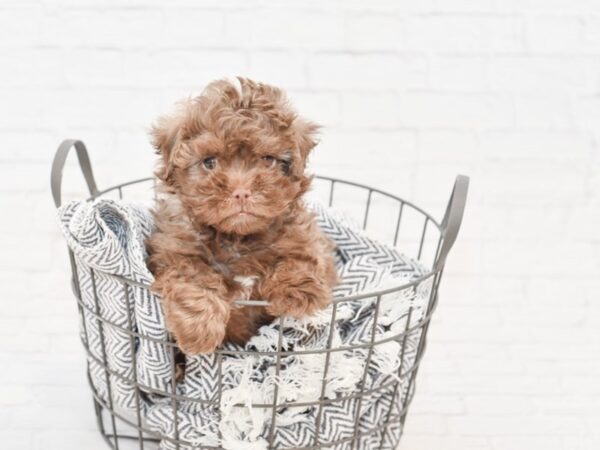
(107, 239)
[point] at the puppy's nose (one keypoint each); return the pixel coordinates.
(241, 195)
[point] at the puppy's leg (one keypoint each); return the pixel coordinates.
(196, 309)
(296, 288)
(179, 365)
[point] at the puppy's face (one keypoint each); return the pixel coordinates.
(237, 186)
(235, 159)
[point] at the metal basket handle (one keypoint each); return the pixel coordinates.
(453, 218)
(59, 163)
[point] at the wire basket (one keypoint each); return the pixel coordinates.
(430, 242)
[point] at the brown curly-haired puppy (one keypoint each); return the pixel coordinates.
(230, 219)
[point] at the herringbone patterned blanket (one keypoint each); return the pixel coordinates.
(108, 237)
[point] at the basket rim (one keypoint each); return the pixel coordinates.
(429, 272)
(318, 177)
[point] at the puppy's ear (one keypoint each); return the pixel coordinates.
(306, 137)
(166, 138)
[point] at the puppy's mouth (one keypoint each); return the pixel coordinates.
(242, 214)
(242, 222)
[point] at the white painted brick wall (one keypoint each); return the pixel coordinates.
(410, 93)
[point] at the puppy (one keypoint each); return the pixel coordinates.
(230, 221)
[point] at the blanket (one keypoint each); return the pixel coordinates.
(107, 240)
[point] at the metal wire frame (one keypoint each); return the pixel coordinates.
(404, 383)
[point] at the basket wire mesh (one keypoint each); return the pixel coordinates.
(121, 430)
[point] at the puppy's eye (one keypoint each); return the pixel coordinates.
(269, 160)
(209, 163)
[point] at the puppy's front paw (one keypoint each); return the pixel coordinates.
(200, 335)
(298, 302)
(196, 317)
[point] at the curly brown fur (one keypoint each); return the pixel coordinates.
(230, 219)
